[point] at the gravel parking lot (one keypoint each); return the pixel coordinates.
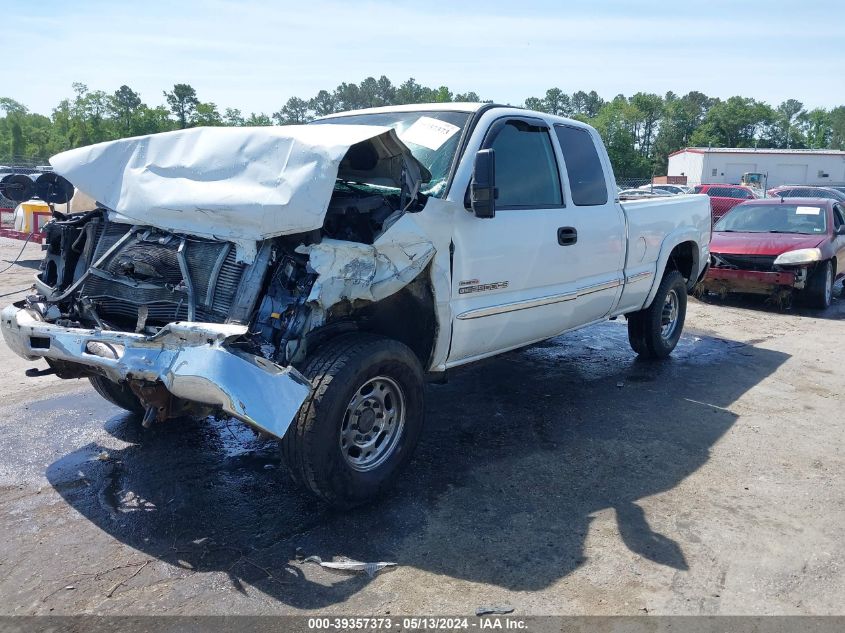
(568, 478)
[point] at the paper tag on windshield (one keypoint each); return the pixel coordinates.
(430, 133)
(807, 210)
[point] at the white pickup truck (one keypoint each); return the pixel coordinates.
(307, 280)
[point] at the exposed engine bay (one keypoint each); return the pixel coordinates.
(114, 276)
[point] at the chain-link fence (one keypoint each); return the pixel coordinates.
(22, 162)
(632, 183)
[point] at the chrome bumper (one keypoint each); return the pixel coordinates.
(191, 360)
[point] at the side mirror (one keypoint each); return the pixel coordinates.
(51, 187)
(17, 187)
(482, 189)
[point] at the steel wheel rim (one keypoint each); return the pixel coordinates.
(669, 315)
(372, 424)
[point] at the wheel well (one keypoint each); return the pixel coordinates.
(684, 259)
(407, 316)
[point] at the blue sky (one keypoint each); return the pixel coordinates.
(253, 54)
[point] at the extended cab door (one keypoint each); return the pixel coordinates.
(517, 276)
(598, 257)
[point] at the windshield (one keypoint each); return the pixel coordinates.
(774, 218)
(432, 136)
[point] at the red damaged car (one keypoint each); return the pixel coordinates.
(723, 198)
(777, 246)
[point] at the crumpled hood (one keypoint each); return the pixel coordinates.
(242, 184)
(770, 244)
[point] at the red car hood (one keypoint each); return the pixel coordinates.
(771, 244)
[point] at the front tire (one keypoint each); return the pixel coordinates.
(819, 291)
(118, 394)
(360, 425)
(655, 331)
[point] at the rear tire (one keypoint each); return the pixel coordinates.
(360, 425)
(819, 292)
(655, 331)
(119, 395)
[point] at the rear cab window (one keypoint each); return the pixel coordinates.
(587, 182)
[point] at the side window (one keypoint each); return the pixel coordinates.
(838, 216)
(527, 175)
(587, 183)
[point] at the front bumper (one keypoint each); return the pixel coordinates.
(192, 360)
(724, 280)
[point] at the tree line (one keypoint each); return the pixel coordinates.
(640, 131)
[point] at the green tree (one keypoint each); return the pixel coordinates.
(816, 128)
(785, 130)
(87, 117)
(258, 119)
(735, 122)
(233, 117)
(183, 103)
(152, 120)
(587, 104)
(323, 104)
(295, 111)
(10, 106)
(681, 117)
(348, 97)
(613, 122)
(410, 92)
(557, 102)
(386, 91)
(442, 95)
(536, 104)
(206, 114)
(368, 93)
(123, 106)
(15, 112)
(646, 112)
(837, 128)
(467, 97)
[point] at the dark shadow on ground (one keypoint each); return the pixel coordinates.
(34, 264)
(518, 454)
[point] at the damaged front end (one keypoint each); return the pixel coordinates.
(173, 318)
(191, 322)
(184, 368)
(753, 274)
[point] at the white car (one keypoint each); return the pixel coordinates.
(307, 279)
(642, 194)
(673, 189)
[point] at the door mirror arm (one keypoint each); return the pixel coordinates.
(482, 189)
